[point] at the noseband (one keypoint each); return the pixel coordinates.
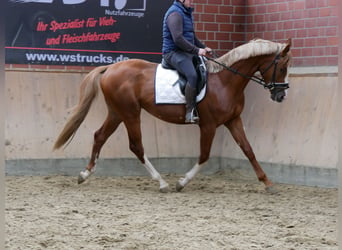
(271, 85)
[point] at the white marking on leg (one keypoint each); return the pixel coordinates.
(154, 173)
(191, 174)
(86, 173)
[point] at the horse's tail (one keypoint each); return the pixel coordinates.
(88, 92)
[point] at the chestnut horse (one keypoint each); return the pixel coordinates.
(128, 87)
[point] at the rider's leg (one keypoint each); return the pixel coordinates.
(183, 63)
(190, 106)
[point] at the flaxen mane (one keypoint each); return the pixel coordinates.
(253, 48)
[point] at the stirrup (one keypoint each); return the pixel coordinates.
(192, 117)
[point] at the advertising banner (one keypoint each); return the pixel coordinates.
(83, 32)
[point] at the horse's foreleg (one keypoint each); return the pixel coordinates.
(100, 137)
(136, 146)
(207, 135)
(236, 129)
(164, 186)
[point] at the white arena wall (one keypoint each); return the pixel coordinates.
(295, 141)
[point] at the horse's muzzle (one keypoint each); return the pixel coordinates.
(278, 94)
(278, 97)
(278, 91)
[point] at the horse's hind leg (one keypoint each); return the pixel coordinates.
(100, 137)
(136, 146)
(236, 129)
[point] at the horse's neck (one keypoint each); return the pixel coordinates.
(248, 67)
(245, 68)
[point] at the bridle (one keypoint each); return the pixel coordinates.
(271, 85)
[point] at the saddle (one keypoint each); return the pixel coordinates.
(201, 69)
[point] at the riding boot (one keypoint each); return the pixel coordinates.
(191, 115)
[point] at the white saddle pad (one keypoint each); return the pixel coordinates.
(166, 91)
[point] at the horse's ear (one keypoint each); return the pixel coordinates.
(287, 47)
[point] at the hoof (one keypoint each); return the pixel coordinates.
(80, 179)
(85, 175)
(164, 189)
(271, 190)
(179, 187)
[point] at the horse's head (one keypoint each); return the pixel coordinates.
(275, 73)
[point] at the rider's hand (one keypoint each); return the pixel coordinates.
(208, 50)
(202, 52)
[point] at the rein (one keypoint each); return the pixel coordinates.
(256, 79)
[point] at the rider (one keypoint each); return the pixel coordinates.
(180, 44)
